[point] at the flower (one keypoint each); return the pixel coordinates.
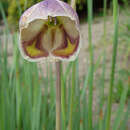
(49, 30)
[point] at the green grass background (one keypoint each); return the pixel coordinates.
(27, 93)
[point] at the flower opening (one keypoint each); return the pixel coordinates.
(49, 30)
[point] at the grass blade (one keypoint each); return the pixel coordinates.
(119, 113)
(115, 43)
(90, 96)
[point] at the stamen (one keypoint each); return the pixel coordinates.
(55, 21)
(50, 18)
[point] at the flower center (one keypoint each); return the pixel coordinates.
(56, 36)
(53, 21)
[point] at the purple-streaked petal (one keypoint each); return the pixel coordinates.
(48, 8)
(39, 40)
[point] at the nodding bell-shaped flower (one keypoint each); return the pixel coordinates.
(49, 30)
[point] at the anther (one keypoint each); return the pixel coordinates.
(50, 18)
(55, 21)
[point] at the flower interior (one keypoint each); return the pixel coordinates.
(57, 36)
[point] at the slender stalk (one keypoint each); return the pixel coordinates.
(103, 68)
(63, 100)
(115, 43)
(73, 5)
(90, 96)
(58, 95)
(72, 95)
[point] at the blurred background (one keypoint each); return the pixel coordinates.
(21, 98)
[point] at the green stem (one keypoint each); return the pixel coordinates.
(73, 5)
(104, 14)
(63, 100)
(90, 96)
(58, 95)
(72, 95)
(115, 43)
